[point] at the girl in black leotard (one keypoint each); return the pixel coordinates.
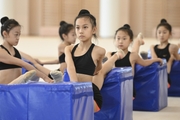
(165, 50)
(123, 58)
(85, 59)
(10, 57)
(68, 37)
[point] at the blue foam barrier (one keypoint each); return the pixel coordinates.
(35, 78)
(42, 101)
(174, 89)
(151, 87)
(117, 95)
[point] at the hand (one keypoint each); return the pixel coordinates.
(120, 54)
(48, 80)
(160, 61)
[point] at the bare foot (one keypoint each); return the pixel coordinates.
(57, 76)
(24, 78)
(140, 39)
(120, 54)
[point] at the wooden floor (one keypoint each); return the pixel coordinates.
(45, 48)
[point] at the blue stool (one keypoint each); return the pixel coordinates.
(151, 87)
(117, 93)
(42, 101)
(174, 89)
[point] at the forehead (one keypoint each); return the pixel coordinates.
(162, 28)
(72, 31)
(16, 29)
(122, 33)
(82, 21)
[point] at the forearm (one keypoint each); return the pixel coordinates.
(28, 57)
(72, 74)
(51, 62)
(150, 61)
(38, 73)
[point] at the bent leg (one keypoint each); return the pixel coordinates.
(98, 79)
(137, 43)
(24, 78)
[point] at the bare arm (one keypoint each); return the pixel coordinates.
(56, 61)
(8, 59)
(135, 59)
(153, 54)
(70, 64)
(27, 57)
(101, 55)
(173, 49)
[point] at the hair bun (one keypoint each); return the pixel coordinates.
(163, 21)
(62, 23)
(4, 19)
(84, 11)
(127, 26)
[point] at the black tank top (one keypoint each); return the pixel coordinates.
(84, 64)
(4, 66)
(62, 58)
(162, 53)
(124, 62)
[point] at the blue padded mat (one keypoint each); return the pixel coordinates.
(117, 95)
(42, 101)
(174, 89)
(151, 87)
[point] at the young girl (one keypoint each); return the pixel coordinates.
(85, 59)
(10, 57)
(67, 35)
(123, 58)
(165, 49)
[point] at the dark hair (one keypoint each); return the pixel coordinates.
(86, 13)
(126, 28)
(165, 24)
(8, 24)
(64, 28)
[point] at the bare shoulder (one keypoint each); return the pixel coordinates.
(69, 47)
(173, 48)
(61, 47)
(152, 46)
(99, 50)
(134, 56)
(2, 52)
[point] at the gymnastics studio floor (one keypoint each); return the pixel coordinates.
(45, 48)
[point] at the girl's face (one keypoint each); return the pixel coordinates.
(163, 34)
(84, 29)
(71, 37)
(13, 36)
(122, 40)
